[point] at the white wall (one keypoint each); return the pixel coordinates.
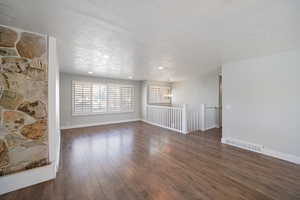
(196, 91)
(67, 120)
(261, 102)
(144, 95)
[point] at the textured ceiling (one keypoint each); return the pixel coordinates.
(116, 38)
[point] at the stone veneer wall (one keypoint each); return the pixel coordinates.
(23, 100)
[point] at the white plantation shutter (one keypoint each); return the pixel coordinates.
(82, 97)
(114, 98)
(93, 98)
(99, 97)
(127, 98)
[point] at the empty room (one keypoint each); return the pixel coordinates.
(149, 100)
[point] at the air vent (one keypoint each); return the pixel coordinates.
(245, 145)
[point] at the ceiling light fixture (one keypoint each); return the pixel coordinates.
(106, 56)
(90, 72)
(130, 77)
(160, 67)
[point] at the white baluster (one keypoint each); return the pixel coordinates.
(162, 116)
(197, 120)
(180, 120)
(176, 119)
(203, 116)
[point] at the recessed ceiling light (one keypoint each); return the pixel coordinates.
(160, 67)
(130, 77)
(106, 56)
(90, 72)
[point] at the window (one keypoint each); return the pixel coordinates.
(159, 94)
(95, 98)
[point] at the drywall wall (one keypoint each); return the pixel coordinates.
(203, 89)
(261, 102)
(144, 93)
(196, 91)
(68, 121)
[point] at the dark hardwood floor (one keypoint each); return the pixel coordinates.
(139, 161)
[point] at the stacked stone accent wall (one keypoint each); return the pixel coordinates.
(23, 100)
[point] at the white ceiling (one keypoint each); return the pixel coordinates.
(122, 38)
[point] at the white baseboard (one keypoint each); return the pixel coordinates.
(262, 150)
(98, 124)
(211, 127)
(283, 156)
(27, 178)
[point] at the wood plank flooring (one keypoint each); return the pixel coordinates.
(139, 161)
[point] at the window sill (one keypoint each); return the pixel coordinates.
(106, 113)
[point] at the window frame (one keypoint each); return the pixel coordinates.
(162, 99)
(107, 110)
